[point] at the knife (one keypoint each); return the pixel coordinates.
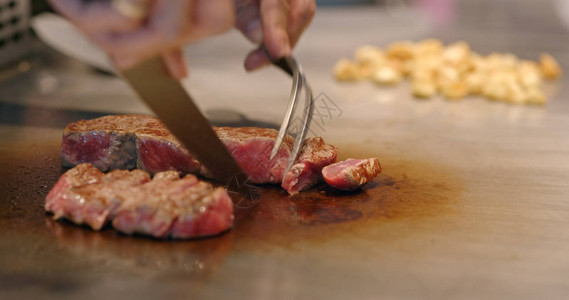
(167, 98)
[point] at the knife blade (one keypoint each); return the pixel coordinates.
(168, 99)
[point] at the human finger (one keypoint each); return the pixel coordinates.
(163, 29)
(274, 23)
(299, 17)
(172, 23)
(256, 59)
(211, 17)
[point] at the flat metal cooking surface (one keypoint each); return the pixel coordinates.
(472, 202)
(40, 254)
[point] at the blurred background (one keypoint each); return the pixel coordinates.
(525, 28)
(464, 17)
(550, 17)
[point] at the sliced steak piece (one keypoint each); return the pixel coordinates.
(85, 195)
(351, 173)
(178, 208)
(156, 150)
(251, 148)
(59, 200)
(314, 155)
(166, 206)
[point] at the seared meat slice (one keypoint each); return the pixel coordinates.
(85, 195)
(177, 208)
(108, 143)
(351, 173)
(251, 148)
(166, 206)
(314, 155)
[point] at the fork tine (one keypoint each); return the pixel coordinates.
(307, 119)
(291, 66)
(294, 95)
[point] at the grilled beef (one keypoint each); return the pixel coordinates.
(129, 141)
(351, 173)
(166, 206)
(314, 155)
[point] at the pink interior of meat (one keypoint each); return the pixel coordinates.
(254, 158)
(85, 148)
(51, 201)
(158, 155)
(307, 171)
(337, 169)
(301, 176)
(214, 220)
(156, 150)
(351, 173)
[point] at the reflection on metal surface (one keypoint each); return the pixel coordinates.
(39, 253)
(18, 114)
(407, 190)
(278, 220)
(119, 251)
(231, 118)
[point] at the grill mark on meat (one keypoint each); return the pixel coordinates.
(352, 173)
(96, 203)
(85, 195)
(156, 150)
(166, 206)
(151, 209)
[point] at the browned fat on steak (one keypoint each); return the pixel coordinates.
(129, 141)
(351, 173)
(166, 206)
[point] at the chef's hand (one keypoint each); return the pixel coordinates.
(277, 23)
(168, 25)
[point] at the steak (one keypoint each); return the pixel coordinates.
(314, 155)
(107, 143)
(166, 206)
(351, 173)
(129, 141)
